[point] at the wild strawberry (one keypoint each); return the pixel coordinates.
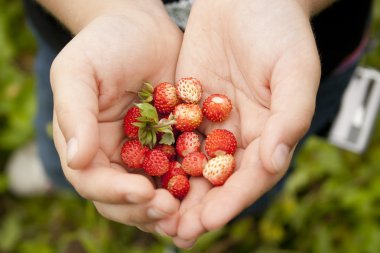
(194, 163)
(217, 107)
(130, 130)
(188, 117)
(168, 150)
(150, 126)
(133, 154)
(179, 186)
(189, 90)
(220, 141)
(219, 169)
(155, 163)
(165, 98)
(187, 142)
(175, 168)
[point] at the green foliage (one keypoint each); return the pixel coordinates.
(330, 202)
(16, 82)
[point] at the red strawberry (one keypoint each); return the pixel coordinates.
(219, 169)
(131, 116)
(217, 107)
(133, 154)
(188, 117)
(189, 90)
(175, 168)
(187, 142)
(194, 163)
(179, 186)
(165, 98)
(168, 150)
(220, 141)
(155, 163)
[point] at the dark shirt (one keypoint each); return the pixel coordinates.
(338, 30)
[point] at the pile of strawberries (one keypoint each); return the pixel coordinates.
(161, 137)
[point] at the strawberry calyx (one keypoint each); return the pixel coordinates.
(146, 93)
(149, 126)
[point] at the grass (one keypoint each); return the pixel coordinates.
(329, 204)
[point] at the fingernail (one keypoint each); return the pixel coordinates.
(160, 231)
(72, 149)
(153, 213)
(280, 157)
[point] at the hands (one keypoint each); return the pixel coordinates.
(261, 54)
(95, 79)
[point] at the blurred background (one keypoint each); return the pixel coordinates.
(331, 202)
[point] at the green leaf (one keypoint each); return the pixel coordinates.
(144, 119)
(139, 124)
(167, 138)
(149, 111)
(154, 138)
(142, 135)
(148, 139)
(146, 93)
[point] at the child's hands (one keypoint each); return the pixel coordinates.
(95, 79)
(261, 54)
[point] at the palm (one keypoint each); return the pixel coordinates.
(95, 82)
(261, 62)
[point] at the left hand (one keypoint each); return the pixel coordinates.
(262, 54)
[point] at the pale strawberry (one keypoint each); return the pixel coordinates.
(130, 130)
(188, 117)
(155, 163)
(165, 98)
(179, 186)
(133, 154)
(194, 163)
(219, 169)
(187, 142)
(220, 141)
(189, 90)
(217, 107)
(175, 168)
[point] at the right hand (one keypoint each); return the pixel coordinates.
(262, 54)
(95, 79)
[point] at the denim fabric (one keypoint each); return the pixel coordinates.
(46, 149)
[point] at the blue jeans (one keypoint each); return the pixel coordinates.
(46, 149)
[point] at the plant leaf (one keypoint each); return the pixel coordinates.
(149, 111)
(167, 138)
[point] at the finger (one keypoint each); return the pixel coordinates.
(294, 85)
(76, 106)
(199, 187)
(183, 244)
(249, 182)
(103, 181)
(160, 207)
(168, 226)
(110, 185)
(191, 225)
(190, 210)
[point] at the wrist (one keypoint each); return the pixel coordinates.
(313, 7)
(76, 14)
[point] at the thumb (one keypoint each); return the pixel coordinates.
(76, 107)
(292, 109)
